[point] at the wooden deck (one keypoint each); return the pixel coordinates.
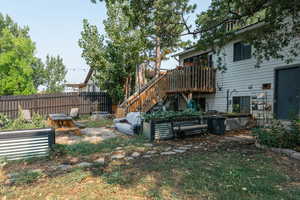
(192, 79)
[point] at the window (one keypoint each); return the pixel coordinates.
(241, 104)
(241, 51)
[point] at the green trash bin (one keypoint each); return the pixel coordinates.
(216, 125)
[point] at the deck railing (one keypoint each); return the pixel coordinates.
(192, 79)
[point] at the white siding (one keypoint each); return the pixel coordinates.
(240, 75)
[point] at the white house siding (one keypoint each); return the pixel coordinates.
(242, 75)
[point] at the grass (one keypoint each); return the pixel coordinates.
(108, 145)
(26, 177)
(221, 174)
(98, 123)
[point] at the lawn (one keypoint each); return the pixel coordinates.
(98, 123)
(231, 171)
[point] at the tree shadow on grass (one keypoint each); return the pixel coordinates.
(230, 172)
(205, 175)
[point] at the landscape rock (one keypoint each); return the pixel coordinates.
(168, 148)
(100, 161)
(184, 148)
(288, 152)
(135, 154)
(129, 158)
(277, 150)
(63, 167)
(296, 156)
(151, 152)
(147, 156)
(119, 155)
(168, 153)
(84, 164)
(260, 146)
(119, 148)
(179, 150)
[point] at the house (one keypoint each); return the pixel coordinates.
(89, 84)
(271, 89)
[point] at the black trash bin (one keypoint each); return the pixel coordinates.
(216, 125)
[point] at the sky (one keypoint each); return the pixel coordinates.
(55, 27)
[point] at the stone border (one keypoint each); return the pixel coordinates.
(289, 152)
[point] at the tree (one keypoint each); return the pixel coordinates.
(39, 73)
(55, 73)
(160, 23)
(16, 58)
(278, 26)
(117, 57)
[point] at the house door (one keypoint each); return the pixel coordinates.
(287, 93)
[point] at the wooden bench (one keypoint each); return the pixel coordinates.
(183, 128)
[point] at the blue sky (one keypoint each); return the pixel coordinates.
(55, 27)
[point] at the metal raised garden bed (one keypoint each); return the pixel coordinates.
(23, 144)
(162, 129)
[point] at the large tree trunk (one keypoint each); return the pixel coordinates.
(140, 79)
(126, 88)
(129, 85)
(158, 57)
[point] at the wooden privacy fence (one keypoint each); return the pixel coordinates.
(45, 104)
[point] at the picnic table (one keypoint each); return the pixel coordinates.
(63, 122)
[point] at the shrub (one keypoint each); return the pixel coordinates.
(279, 135)
(4, 121)
(20, 123)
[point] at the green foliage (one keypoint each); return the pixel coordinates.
(169, 115)
(116, 59)
(55, 73)
(279, 135)
(4, 120)
(20, 123)
(16, 58)
(281, 20)
(39, 73)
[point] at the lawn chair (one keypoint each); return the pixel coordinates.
(74, 113)
(26, 115)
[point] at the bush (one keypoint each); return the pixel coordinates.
(20, 123)
(4, 121)
(279, 136)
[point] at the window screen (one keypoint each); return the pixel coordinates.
(241, 104)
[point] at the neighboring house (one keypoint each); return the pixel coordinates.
(273, 88)
(89, 84)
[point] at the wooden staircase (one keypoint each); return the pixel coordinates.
(149, 96)
(190, 79)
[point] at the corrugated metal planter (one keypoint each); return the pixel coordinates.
(162, 129)
(23, 144)
(157, 130)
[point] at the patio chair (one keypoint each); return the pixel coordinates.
(130, 125)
